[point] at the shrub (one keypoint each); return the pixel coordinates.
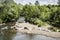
(53, 29)
(1, 21)
(39, 22)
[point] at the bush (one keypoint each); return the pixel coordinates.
(39, 22)
(53, 29)
(1, 21)
(32, 20)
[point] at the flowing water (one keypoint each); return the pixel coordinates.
(11, 35)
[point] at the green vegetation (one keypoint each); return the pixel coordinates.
(35, 14)
(54, 29)
(39, 22)
(8, 11)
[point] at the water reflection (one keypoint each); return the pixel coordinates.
(20, 36)
(7, 35)
(31, 37)
(12, 35)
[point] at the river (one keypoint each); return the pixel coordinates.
(11, 35)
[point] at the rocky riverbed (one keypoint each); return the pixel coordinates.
(34, 29)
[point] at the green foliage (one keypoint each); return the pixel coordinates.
(30, 11)
(8, 1)
(39, 22)
(36, 3)
(52, 29)
(55, 15)
(8, 12)
(35, 14)
(12, 12)
(1, 21)
(45, 13)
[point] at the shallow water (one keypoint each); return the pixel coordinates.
(8, 35)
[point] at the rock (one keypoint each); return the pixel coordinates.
(25, 28)
(58, 30)
(4, 28)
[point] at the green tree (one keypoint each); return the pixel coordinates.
(9, 1)
(36, 3)
(30, 11)
(44, 13)
(8, 12)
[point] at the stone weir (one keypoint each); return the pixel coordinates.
(34, 29)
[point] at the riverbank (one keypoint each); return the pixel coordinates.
(39, 32)
(34, 29)
(28, 28)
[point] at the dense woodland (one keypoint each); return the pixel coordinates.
(35, 14)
